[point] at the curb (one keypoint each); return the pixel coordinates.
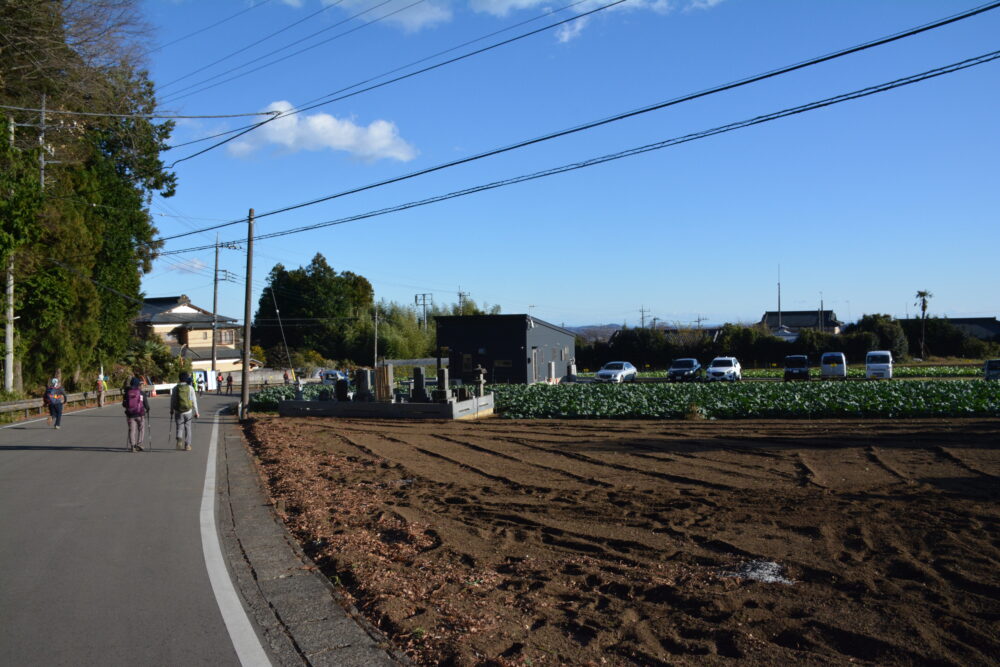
(300, 617)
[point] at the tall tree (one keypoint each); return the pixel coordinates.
(82, 254)
(922, 297)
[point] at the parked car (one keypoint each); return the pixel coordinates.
(724, 368)
(878, 365)
(684, 370)
(796, 367)
(991, 369)
(833, 365)
(617, 371)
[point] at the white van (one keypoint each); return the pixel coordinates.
(878, 365)
(833, 366)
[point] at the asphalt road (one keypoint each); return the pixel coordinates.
(101, 557)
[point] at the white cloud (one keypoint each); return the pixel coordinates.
(300, 132)
(568, 31)
(188, 266)
(411, 19)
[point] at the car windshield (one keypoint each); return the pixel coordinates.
(831, 358)
(993, 364)
(722, 363)
(683, 363)
(878, 358)
(614, 366)
(793, 362)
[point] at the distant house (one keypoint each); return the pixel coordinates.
(512, 348)
(795, 321)
(983, 328)
(187, 331)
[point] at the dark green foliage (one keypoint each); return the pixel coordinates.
(81, 246)
(321, 310)
(887, 330)
(944, 339)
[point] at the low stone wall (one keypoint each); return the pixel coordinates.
(474, 408)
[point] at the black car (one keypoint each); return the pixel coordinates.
(684, 370)
(796, 367)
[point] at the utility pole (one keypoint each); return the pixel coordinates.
(8, 372)
(375, 364)
(821, 327)
(699, 320)
(8, 334)
(421, 300)
(215, 306)
(8, 337)
(654, 323)
(642, 317)
(462, 296)
(245, 381)
(779, 296)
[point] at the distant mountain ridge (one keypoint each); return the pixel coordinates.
(600, 332)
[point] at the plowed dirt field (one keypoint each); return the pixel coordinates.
(652, 542)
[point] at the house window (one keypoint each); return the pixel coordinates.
(226, 337)
(204, 336)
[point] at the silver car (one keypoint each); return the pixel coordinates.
(617, 371)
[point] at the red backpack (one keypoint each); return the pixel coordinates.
(134, 406)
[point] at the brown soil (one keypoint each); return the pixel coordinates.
(628, 542)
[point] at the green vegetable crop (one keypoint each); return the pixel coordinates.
(750, 400)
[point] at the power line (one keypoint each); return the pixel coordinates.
(208, 27)
(176, 95)
(400, 68)
(406, 76)
(150, 116)
(758, 120)
(611, 119)
(250, 46)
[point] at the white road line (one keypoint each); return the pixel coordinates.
(245, 641)
(35, 421)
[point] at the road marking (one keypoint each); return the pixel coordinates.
(241, 632)
(41, 419)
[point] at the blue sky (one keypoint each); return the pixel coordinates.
(864, 202)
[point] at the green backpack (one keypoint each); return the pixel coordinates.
(180, 399)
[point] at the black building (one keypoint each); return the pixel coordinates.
(512, 348)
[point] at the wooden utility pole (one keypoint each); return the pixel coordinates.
(215, 307)
(245, 381)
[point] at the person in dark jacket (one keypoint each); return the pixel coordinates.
(136, 409)
(54, 399)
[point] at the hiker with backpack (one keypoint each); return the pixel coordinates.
(102, 386)
(136, 409)
(54, 399)
(183, 411)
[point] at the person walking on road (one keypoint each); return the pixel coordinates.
(102, 386)
(229, 384)
(183, 411)
(54, 399)
(136, 409)
(218, 384)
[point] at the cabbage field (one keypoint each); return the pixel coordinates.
(266, 400)
(768, 400)
(852, 372)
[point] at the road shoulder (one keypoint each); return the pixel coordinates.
(298, 613)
